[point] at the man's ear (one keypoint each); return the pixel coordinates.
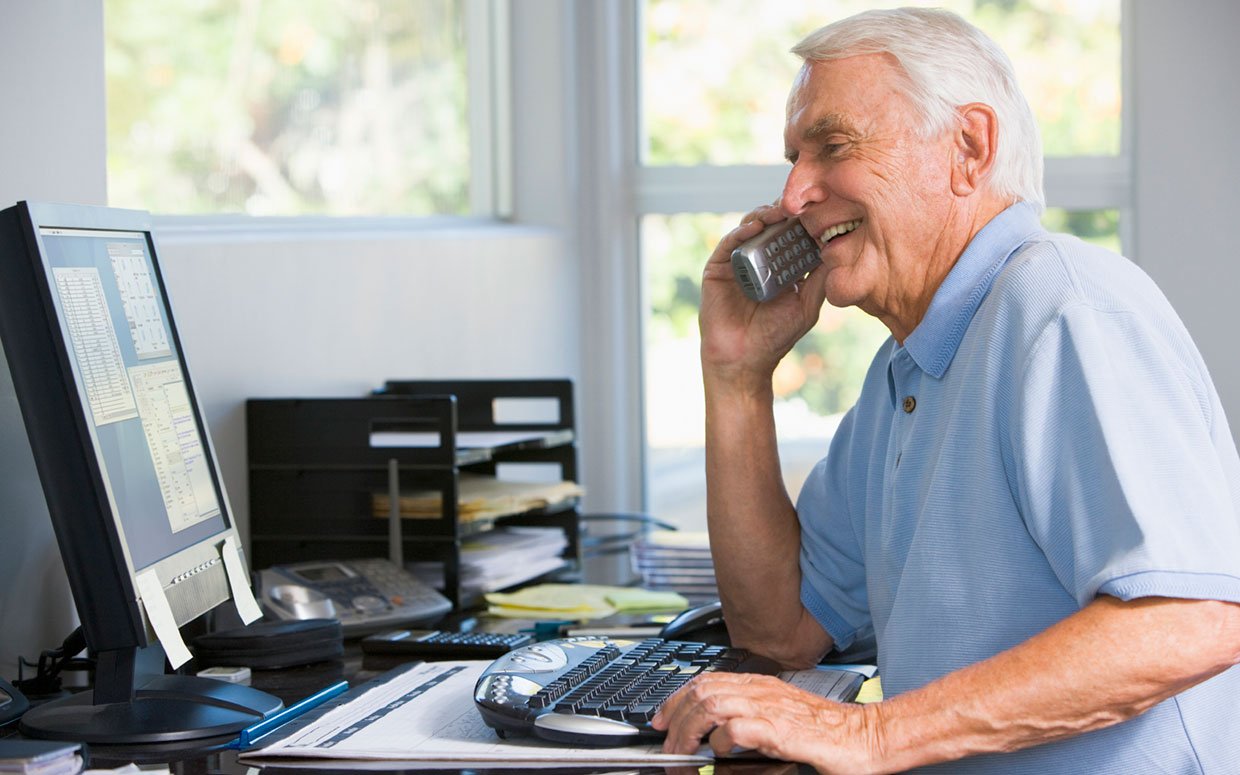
(975, 143)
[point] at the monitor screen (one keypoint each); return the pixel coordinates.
(129, 376)
(127, 469)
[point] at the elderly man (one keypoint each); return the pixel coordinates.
(1032, 510)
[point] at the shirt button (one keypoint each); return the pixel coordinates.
(910, 404)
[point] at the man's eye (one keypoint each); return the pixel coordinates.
(832, 149)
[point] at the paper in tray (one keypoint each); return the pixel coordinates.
(481, 497)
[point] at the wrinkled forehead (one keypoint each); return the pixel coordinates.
(852, 85)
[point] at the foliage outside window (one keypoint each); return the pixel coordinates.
(716, 72)
(287, 107)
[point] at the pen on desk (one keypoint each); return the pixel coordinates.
(250, 734)
(542, 630)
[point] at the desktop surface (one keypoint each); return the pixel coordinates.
(212, 757)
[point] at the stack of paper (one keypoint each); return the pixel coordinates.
(500, 559)
(677, 561)
(581, 602)
(481, 497)
(40, 757)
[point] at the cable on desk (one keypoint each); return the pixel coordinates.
(52, 662)
(618, 543)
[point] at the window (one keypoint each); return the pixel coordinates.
(295, 107)
(713, 77)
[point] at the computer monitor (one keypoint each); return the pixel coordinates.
(127, 468)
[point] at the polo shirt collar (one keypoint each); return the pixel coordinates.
(933, 343)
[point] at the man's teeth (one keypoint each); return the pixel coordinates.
(839, 229)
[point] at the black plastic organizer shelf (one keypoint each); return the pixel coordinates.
(314, 469)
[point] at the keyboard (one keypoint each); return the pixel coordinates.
(597, 691)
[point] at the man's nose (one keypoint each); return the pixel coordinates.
(800, 190)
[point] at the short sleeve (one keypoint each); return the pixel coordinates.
(832, 566)
(1124, 479)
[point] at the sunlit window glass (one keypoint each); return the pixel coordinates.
(287, 107)
(813, 384)
(715, 73)
(1100, 227)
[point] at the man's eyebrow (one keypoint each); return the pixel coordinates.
(829, 124)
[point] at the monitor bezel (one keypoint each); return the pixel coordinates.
(83, 512)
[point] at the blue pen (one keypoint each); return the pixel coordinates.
(250, 734)
(548, 629)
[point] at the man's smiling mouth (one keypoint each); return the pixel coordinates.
(837, 230)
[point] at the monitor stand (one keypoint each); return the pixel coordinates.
(126, 707)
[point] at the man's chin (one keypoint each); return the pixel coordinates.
(845, 286)
(842, 296)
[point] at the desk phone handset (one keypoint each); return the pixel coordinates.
(364, 595)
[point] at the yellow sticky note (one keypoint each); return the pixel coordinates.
(638, 599)
(552, 597)
(871, 691)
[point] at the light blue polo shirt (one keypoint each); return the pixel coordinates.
(1048, 433)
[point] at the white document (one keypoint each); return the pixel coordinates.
(159, 614)
(242, 595)
(138, 297)
(176, 448)
(820, 679)
(427, 714)
(101, 366)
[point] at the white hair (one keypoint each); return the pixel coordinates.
(948, 63)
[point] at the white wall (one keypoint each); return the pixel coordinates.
(51, 147)
(52, 137)
(336, 314)
(1188, 172)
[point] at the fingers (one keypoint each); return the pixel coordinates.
(723, 251)
(740, 735)
(752, 224)
(812, 293)
(737, 712)
(708, 704)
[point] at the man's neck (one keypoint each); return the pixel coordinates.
(907, 305)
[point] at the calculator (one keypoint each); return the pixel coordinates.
(393, 647)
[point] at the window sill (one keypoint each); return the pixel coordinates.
(241, 228)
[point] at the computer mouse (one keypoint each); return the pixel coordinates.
(703, 624)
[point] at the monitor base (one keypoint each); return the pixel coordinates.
(168, 708)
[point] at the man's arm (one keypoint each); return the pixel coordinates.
(1125, 656)
(1129, 655)
(755, 537)
(754, 533)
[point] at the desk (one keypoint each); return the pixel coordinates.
(292, 684)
